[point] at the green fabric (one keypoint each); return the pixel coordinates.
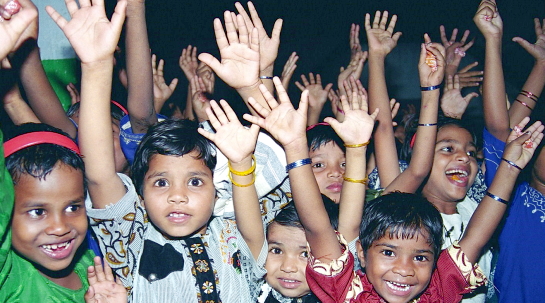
(6, 207)
(61, 72)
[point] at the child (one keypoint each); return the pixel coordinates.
(49, 224)
(167, 246)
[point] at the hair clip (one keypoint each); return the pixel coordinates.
(34, 138)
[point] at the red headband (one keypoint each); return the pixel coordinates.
(30, 139)
(121, 107)
(314, 125)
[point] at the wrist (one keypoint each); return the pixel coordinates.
(252, 87)
(242, 164)
(267, 71)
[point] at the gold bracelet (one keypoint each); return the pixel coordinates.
(243, 173)
(241, 185)
(357, 145)
(364, 181)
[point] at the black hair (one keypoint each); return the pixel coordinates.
(442, 121)
(171, 138)
(39, 160)
(320, 135)
(401, 215)
(115, 112)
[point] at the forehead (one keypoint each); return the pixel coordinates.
(455, 133)
(417, 241)
(330, 149)
(286, 235)
(187, 163)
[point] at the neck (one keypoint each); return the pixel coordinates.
(444, 207)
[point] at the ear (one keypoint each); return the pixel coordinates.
(142, 202)
(361, 254)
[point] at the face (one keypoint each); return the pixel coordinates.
(179, 194)
(287, 260)
(328, 165)
(454, 168)
(49, 220)
(399, 269)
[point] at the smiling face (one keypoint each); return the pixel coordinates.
(287, 260)
(49, 222)
(399, 269)
(454, 168)
(328, 166)
(179, 194)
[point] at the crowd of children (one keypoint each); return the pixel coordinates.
(148, 201)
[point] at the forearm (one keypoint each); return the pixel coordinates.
(254, 92)
(534, 84)
(41, 96)
(353, 193)
(18, 110)
(384, 140)
(313, 115)
(268, 72)
(139, 73)
(494, 102)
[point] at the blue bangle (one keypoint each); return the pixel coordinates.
(497, 198)
(512, 164)
(428, 88)
(266, 77)
(298, 163)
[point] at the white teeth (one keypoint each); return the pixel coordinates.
(398, 286)
(56, 246)
(457, 171)
(289, 281)
(177, 215)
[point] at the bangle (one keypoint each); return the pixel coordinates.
(243, 173)
(512, 164)
(241, 185)
(427, 124)
(523, 103)
(364, 181)
(497, 198)
(266, 77)
(529, 95)
(428, 88)
(298, 163)
(357, 145)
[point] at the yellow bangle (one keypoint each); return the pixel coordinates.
(357, 145)
(241, 185)
(364, 181)
(243, 173)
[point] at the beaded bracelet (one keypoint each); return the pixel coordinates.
(427, 124)
(428, 88)
(241, 185)
(364, 181)
(523, 103)
(266, 77)
(512, 164)
(357, 145)
(298, 163)
(529, 95)
(243, 173)
(497, 198)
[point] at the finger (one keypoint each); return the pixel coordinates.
(229, 112)
(443, 35)
(271, 101)
(525, 44)
(392, 24)
(57, 18)
(468, 45)
(90, 294)
(303, 103)
(299, 86)
(277, 29)
(255, 16)
(311, 78)
(253, 119)
(259, 109)
(383, 20)
(450, 83)
(376, 20)
(537, 27)
(367, 22)
(194, 54)
(242, 30)
(161, 67)
(375, 114)
(465, 36)
(209, 60)
(99, 271)
(395, 107)
(328, 87)
(244, 14)
(208, 135)
(453, 36)
(470, 96)
(118, 17)
(108, 272)
(153, 63)
(221, 39)
(173, 84)
(219, 112)
(468, 67)
(230, 29)
(318, 79)
(304, 80)
(456, 82)
(280, 90)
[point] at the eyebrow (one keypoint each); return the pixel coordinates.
(455, 141)
(418, 251)
(38, 204)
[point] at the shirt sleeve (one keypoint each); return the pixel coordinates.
(493, 151)
(6, 208)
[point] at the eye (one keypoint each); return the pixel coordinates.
(73, 208)
(35, 213)
(472, 153)
(343, 165)
(195, 182)
(160, 183)
(421, 258)
(275, 251)
(388, 253)
(447, 149)
(304, 254)
(318, 165)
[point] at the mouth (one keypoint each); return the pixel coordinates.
(458, 176)
(178, 217)
(58, 250)
(335, 187)
(289, 283)
(398, 288)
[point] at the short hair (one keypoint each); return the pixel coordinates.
(39, 160)
(321, 134)
(115, 111)
(170, 138)
(401, 215)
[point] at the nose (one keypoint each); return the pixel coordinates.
(177, 194)
(462, 156)
(289, 264)
(335, 171)
(58, 225)
(404, 267)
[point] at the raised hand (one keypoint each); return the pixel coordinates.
(235, 141)
(537, 50)
(208, 77)
(282, 120)
(354, 69)
(91, 34)
(268, 46)
(188, 62)
(431, 76)
(358, 124)
(239, 66)
(355, 45)
(288, 70)
(488, 19)
(161, 90)
(452, 103)
(336, 106)
(455, 50)
(199, 101)
(522, 145)
(381, 39)
(317, 94)
(102, 285)
(470, 78)
(13, 32)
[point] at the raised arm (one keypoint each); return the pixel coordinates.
(490, 211)
(17, 109)
(454, 50)
(317, 95)
(12, 30)
(382, 40)
(355, 131)
(103, 287)
(288, 125)
(139, 71)
(288, 70)
(490, 24)
(237, 143)
(94, 39)
(161, 90)
(526, 100)
(452, 103)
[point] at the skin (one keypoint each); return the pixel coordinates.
(180, 186)
(48, 212)
(406, 262)
(328, 166)
(454, 150)
(287, 260)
